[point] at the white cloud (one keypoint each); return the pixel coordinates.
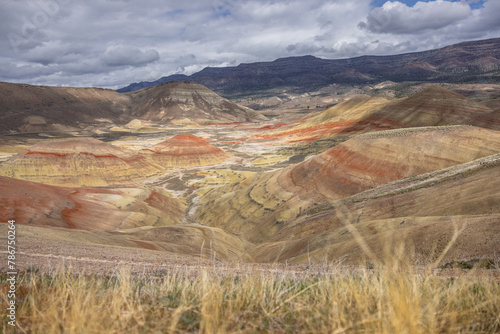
(485, 20)
(398, 18)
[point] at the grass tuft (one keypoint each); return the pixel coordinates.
(332, 301)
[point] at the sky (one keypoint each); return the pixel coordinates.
(112, 43)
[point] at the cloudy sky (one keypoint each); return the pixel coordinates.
(111, 43)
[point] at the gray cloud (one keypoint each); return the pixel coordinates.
(50, 52)
(129, 56)
(303, 48)
(114, 42)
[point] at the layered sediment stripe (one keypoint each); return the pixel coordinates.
(186, 150)
(88, 208)
(79, 162)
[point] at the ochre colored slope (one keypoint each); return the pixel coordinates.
(79, 162)
(433, 106)
(414, 219)
(260, 206)
(85, 208)
(186, 150)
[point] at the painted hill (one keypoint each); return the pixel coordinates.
(260, 207)
(79, 162)
(183, 99)
(433, 106)
(335, 120)
(186, 150)
(86, 208)
(440, 217)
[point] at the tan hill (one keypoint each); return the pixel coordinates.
(27, 108)
(179, 100)
(440, 217)
(79, 162)
(260, 206)
(433, 106)
(186, 150)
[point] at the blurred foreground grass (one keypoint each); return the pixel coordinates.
(335, 301)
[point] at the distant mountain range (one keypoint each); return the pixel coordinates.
(477, 61)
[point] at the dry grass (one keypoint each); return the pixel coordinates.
(215, 301)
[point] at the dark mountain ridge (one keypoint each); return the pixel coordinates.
(477, 61)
